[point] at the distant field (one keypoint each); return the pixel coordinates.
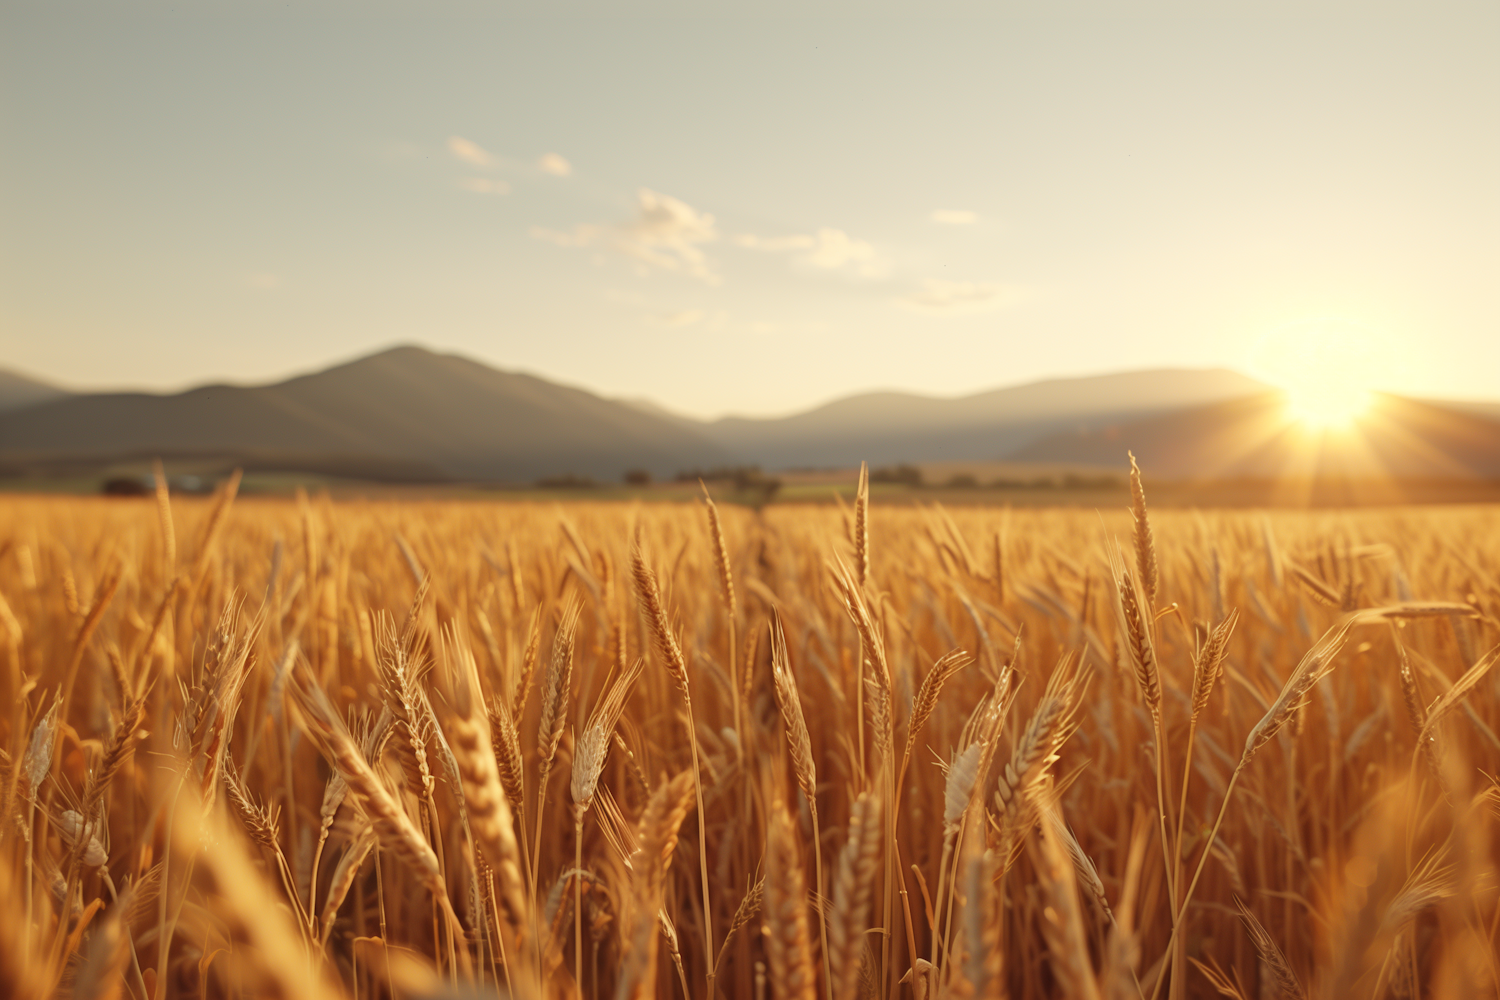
(990, 484)
(358, 747)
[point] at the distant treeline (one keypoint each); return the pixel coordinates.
(740, 478)
(751, 479)
(910, 475)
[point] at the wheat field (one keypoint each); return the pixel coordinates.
(303, 748)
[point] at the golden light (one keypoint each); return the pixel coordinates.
(1327, 367)
(1326, 407)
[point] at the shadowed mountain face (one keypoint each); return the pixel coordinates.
(1254, 437)
(19, 391)
(405, 413)
(889, 427)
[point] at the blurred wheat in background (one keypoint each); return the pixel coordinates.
(259, 747)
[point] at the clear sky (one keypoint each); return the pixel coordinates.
(739, 207)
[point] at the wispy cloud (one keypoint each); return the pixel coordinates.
(485, 185)
(954, 217)
(956, 297)
(469, 152)
(665, 235)
(555, 165)
(775, 244)
(836, 251)
(827, 250)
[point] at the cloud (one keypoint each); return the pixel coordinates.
(555, 165)
(776, 244)
(686, 317)
(469, 152)
(827, 250)
(957, 297)
(485, 185)
(954, 217)
(665, 235)
(835, 251)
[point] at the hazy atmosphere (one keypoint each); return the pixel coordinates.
(749, 500)
(744, 208)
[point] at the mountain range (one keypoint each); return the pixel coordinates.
(411, 414)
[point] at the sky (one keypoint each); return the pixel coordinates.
(752, 208)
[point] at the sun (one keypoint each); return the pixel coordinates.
(1326, 367)
(1326, 407)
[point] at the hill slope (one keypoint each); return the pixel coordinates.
(18, 391)
(887, 427)
(403, 413)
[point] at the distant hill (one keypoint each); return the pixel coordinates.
(1253, 437)
(18, 391)
(890, 427)
(405, 413)
(409, 414)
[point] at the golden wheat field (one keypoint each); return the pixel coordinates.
(306, 748)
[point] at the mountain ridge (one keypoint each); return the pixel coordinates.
(408, 404)
(19, 391)
(409, 413)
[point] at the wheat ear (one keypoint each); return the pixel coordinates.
(1062, 920)
(1145, 545)
(488, 809)
(852, 884)
(1207, 668)
(392, 826)
(667, 647)
(557, 689)
(800, 745)
(861, 530)
(1135, 622)
(1271, 954)
(589, 754)
(787, 942)
(726, 593)
(657, 836)
(743, 914)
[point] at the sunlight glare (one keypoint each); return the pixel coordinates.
(1327, 367)
(1326, 407)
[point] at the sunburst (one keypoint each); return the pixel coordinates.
(1327, 369)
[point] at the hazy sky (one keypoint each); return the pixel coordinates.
(735, 207)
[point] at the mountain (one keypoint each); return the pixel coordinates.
(1254, 437)
(405, 413)
(19, 391)
(411, 414)
(889, 427)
